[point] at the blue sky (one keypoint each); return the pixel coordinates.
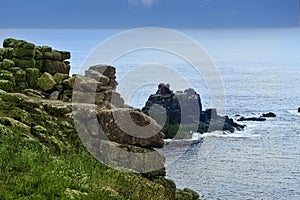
(141, 13)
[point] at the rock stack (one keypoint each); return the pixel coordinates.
(22, 64)
(184, 108)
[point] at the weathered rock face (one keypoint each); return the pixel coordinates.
(24, 59)
(114, 120)
(185, 109)
(131, 158)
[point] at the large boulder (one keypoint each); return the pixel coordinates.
(128, 126)
(59, 77)
(46, 82)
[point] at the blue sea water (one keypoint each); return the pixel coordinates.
(260, 72)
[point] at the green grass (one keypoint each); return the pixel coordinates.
(28, 170)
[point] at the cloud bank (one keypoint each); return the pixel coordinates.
(142, 3)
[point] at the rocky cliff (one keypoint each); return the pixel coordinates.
(45, 115)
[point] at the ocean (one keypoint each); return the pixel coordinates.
(260, 72)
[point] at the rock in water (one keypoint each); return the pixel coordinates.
(299, 110)
(251, 119)
(269, 114)
(184, 109)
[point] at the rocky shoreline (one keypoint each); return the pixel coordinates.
(42, 104)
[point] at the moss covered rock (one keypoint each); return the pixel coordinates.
(6, 75)
(52, 55)
(38, 54)
(21, 86)
(53, 67)
(8, 53)
(28, 63)
(46, 82)
(2, 52)
(6, 64)
(14, 69)
(46, 49)
(65, 55)
(6, 85)
(24, 49)
(20, 76)
(39, 64)
(69, 83)
(194, 194)
(183, 195)
(59, 77)
(32, 75)
(10, 42)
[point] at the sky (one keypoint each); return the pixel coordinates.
(145, 13)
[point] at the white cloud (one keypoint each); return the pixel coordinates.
(144, 3)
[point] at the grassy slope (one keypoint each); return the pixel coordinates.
(29, 171)
(53, 164)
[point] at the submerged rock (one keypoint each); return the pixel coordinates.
(251, 119)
